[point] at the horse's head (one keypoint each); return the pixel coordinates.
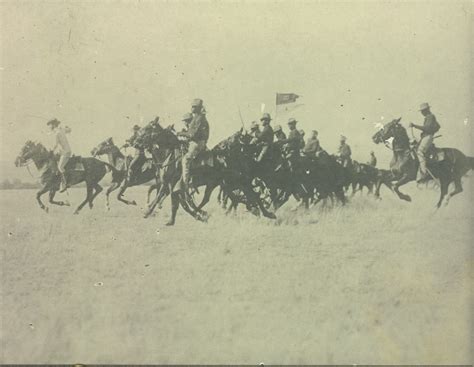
(154, 134)
(387, 131)
(103, 147)
(232, 142)
(27, 153)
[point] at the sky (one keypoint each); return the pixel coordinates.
(101, 67)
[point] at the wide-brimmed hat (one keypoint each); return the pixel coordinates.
(136, 127)
(292, 121)
(265, 116)
(53, 122)
(277, 128)
(343, 138)
(187, 116)
(314, 132)
(424, 106)
(196, 102)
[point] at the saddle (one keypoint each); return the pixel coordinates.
(75, 164)
(205, 158)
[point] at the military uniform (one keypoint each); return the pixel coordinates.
(139, 156)
(293, 144)
(198, 135)
(312, 147)
(265, 139)
(345, 153)
(429, 128)
(373, 160)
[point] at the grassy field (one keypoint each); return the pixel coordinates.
(374, 282)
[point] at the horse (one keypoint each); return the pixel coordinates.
(46, 162)
(404, 165)
(226, 171)
(121, 164)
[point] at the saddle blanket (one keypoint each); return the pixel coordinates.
(205, 158)
(436, 155)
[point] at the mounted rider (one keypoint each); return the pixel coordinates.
(302, 134)
(254, 129)
(62, 144)
(344, 152)
(312, 148)
(293, 144)
(264, 138)
(197, 135)
(280, 136)
(428, 129)
(373, 159)
(139, 155)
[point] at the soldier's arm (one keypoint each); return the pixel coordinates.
(193, 128)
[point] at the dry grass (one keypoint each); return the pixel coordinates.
(373, 282)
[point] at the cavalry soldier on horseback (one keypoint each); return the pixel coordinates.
(139, 156)
(302, 134)
(187, 118)
(428, 129)
(64, 149)
(373, 159)
(312, 147)
(197, 134)
(254, 129)
(264, 138)
(344, 152)
(279, 134)
(293, 143)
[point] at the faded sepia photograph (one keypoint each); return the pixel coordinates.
(252, 182)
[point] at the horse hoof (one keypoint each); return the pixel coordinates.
(76, 212)
(66, 203)
(271, 216)
(46, 209)
(133, 202)
(169, 224)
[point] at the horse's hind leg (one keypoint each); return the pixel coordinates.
(52, 193)
(98, 190)
(444, 191)
(405, 179)
(38, 198)
(124, 187)
(457, 190)
(86, 200)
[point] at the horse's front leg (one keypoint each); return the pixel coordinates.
(124, 187)
(40, 193)
(52, 193)
(403, 180)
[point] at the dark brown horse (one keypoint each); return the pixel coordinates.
(91, 173)
(404, 164)
(121, 163)
(226, 171)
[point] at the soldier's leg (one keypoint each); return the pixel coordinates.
(62, 169)
(187, 160)
(421, 153)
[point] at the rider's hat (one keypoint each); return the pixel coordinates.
(254, 126)
(136, 127)
(187, 116)
(277, 128)
(301, 131)
(292, 121)
(265, 116)
(314, 132)
(343, 138)
(197, 102)
(424, 106)
(53, 122)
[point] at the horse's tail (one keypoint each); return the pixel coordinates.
(470, 163)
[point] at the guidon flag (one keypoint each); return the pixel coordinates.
(283, 98)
